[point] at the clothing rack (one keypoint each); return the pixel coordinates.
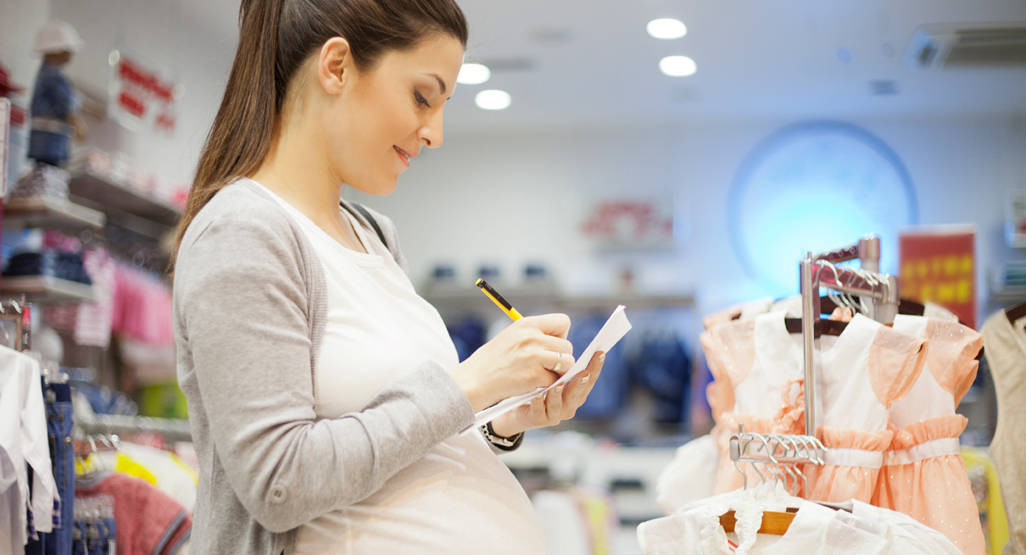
(99, 424)
(820, 271)
(782, 455)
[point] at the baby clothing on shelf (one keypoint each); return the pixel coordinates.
(923, 474)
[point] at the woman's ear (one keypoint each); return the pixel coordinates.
(334, 65)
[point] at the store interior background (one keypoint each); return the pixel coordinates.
(593, 117)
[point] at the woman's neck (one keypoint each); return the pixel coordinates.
(297, 171)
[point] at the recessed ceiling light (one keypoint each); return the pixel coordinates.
(473, 74)
(883, 87)
(492, 99)
(666, 28)
(677, 66)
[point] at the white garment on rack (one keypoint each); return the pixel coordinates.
(23, 439)
(690, 476)
(695, 529)
(907, 535)
(376, 328)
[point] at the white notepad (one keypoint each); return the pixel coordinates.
(612, 331)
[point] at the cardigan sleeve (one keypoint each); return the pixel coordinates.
(241, 305)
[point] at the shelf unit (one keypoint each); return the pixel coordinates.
(1010, 295)
(45, 289)
(455, 298)
(22, 213)
(123, 206)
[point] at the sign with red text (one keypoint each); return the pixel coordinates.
(624, 222)
(141, 96)
(938, 265)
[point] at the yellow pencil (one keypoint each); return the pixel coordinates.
(497, 299)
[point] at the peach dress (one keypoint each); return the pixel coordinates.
(923, 474)
(869, 368)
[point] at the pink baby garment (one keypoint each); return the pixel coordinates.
(868, 368)
(923, 474)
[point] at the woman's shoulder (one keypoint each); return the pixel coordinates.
(242, 219)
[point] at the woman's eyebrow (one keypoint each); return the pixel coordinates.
(441, 83)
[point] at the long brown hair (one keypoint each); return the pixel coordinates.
(275, 38)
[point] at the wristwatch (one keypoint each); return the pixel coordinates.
(503, 443)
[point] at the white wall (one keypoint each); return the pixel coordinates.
(510, 199)
(154, 31)
(18, 24)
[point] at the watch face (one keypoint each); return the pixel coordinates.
(816, 187)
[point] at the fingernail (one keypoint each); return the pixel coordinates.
(585, 379)
(540, 396)
(559, 388)
(602, 358)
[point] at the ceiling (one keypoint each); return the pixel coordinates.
(592, 62)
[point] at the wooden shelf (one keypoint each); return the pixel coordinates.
(21, 213)
(123, 205)
(45, 289)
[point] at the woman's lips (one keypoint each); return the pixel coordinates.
(403, 155)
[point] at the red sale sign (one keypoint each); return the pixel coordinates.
(141, 96)
(938, 265)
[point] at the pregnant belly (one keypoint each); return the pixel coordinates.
(459, 498)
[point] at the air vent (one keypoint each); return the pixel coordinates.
(883, 87)
(952, 47)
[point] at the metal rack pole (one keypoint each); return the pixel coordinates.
(810, 316)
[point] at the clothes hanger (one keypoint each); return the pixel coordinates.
(1015, 313)
(773, 522)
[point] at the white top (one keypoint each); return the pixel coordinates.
(777, 357)
(23, 444)
(459, 498)
(695, 529)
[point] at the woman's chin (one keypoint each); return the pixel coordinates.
(379, 188)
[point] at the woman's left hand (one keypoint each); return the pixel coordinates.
(552, 407)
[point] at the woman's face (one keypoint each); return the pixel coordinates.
(383, 117)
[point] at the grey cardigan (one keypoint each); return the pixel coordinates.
(249, 309)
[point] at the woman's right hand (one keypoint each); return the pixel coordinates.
(519, 360)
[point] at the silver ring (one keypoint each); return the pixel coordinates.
(559, 362)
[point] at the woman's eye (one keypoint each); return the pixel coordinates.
(421, 101)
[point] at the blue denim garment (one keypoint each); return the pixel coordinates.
(53, 97)
(80, 545)
(111, 537)
(49, 148)
(62, 456)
